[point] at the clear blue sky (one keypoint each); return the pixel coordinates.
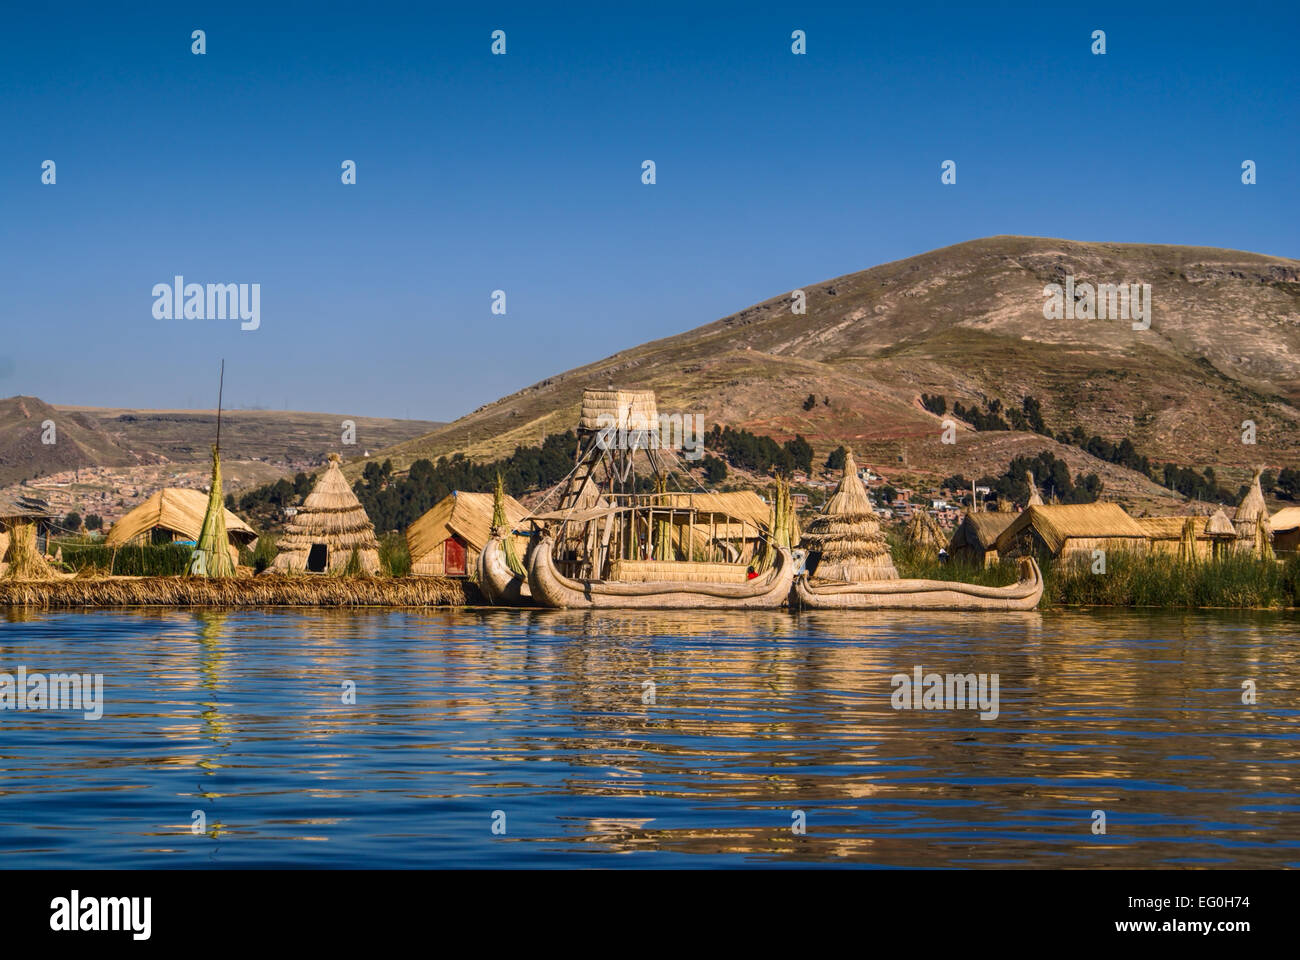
(523, 172)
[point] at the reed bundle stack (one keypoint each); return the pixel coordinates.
(844, 542)
(212, 547)
(21, 560)
(1251, 521)
(923, 534)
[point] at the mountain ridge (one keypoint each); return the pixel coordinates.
(966, 321)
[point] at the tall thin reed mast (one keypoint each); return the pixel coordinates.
(221, 386)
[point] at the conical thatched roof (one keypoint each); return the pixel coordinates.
(923, 532)
(211, 556)
(331, 517)
(1251, 508)
(845, 538)
(1219, 526)
(1034, 499)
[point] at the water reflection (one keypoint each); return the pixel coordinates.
(677, 737)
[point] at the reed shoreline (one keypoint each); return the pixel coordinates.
(264, 591)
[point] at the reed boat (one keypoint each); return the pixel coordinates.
(551, 588)
(922, 594)
(501, 585)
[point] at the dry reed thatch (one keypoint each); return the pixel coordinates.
(780, 527)
(976, 536)
(845, 538)
(212, 547)
(502, 526)
(1187, 550)
(276, 590)
(677, 571)
(623, 409)
(470, 516)
(1082, 526)
(1250, 510)
(923, 533)
(1034, 499)
(22, 560)
(1263, 544)
(1288, 518)
(1219, 527)
(181, 512)
(332, 516)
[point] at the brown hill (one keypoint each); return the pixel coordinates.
(78, 442)
(967, 322)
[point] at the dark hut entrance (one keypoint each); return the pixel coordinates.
(317, 558)
(453, 557)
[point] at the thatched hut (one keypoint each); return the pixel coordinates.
(975, 539)
(1222, 534)
(1248, 516)
(1069, 530)
(844, 541)
(22, 511)
(446, 539)
(923, 534)
(1171, 535)
(1285, 525)
(175, 514)
(329, 528)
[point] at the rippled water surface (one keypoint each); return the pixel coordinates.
(542, 717)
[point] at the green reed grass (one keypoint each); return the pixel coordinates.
(394, 555)
(1162, 580)
(1131, 580)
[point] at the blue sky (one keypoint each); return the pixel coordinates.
(523, 173)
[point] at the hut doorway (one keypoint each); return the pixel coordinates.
(453, 557)
(317, 558)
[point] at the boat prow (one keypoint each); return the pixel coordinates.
(501, 585)
(924, 594)
(550, 588)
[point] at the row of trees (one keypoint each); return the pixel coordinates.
(1029, 418)
(760, 454)
(394, 503)
(1051, 475)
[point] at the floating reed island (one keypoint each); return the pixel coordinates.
(606, 537)
(263, 591)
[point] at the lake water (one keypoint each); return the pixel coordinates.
(535, 723)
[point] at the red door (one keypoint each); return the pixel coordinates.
(453, 557)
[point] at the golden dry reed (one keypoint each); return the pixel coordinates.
(263, 591)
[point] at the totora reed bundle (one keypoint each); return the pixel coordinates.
(923, 534)
(845, 539)
(24, 561)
